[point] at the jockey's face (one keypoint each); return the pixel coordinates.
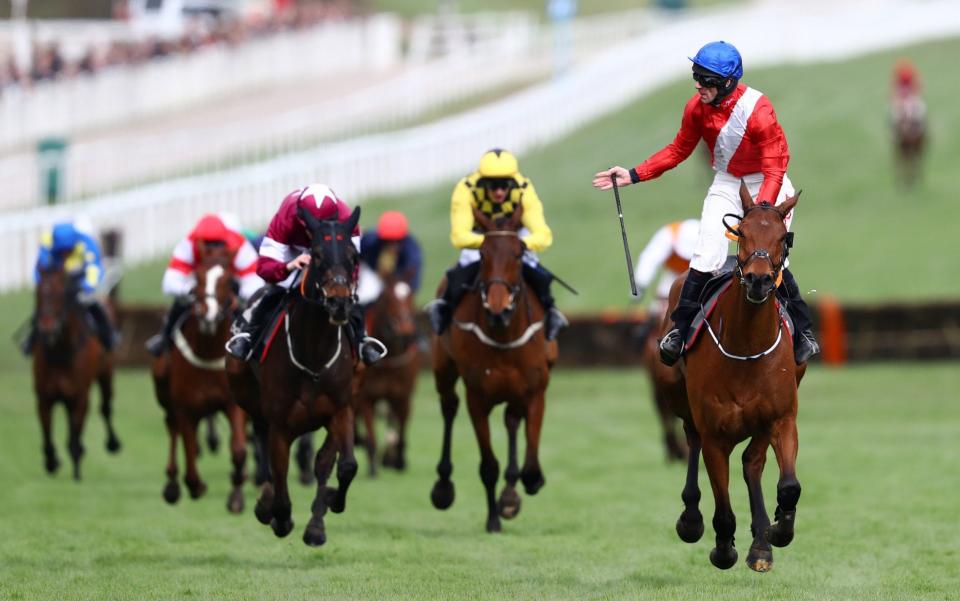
(707, 86)
(498, 189)
(707, 95)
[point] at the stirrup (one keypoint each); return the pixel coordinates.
(435, 311)
(671, 347)
(371, 350)
(239, 346)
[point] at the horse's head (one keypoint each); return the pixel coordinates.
(331, 278)
(762, 244)
(501, 256)
(395, 315)
(54, 295)
(215, 297)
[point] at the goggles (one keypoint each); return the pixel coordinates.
(498, 183)
(709, 81)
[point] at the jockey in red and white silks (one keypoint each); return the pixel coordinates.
(740, 128)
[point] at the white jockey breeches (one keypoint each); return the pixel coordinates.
(724, 197)
(472, 255)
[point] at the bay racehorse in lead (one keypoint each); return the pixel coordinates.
(496, 344)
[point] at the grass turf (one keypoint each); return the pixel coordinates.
(874, 522)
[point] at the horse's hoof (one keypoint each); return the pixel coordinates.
(197, 489)
(442, 494)
(509, 503)
(52, 464)
(281, 529)
(306, 477)
(213, 444)
(314, 535)
(690, 527)
(171, 492)
(264, 507)
(759, 559)
(113, 444)
(493, 524)
(532, 481)
(723, 558)
(779, 534)
(235, 501)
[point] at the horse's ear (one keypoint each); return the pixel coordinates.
(516, 219)
(308, 219)
(745, 199)
(486, 224)
(787, 205)
(354, 219)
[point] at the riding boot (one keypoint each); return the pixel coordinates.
(459, 279)
(368, 348)
(804, 344)
(102, 325)
(671, 346)
(246, 327)
(26, 345)
(157, 343)
(539, 280)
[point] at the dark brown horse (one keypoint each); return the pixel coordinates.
(307, 380)
(667, 389)
(392, 320)
(741, 383)
(67, 358)
(191, 383)
(496, 344)
(909, 139)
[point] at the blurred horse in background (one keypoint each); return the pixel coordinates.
(67, 358)
(496, 344)
(910, 140)
(306, 380)
(741, 382)
(190, 381)
(666, 385)
(392, 320)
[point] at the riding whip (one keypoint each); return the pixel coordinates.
(623, 230)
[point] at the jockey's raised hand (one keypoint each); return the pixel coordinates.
(299, 263)
(601, 179)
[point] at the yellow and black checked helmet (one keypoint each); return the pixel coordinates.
(498, 166)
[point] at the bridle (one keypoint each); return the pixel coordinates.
(327, 302)
(513, 289)
(760, 253)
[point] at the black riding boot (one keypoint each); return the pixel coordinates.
(368, 348)
(157, 343)
(539, 280)
(804, 344)
(102, 325)
(671, 346)
(459, 279)
(246, 327)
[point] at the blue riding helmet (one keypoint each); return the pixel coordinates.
(65, 237)
(721, 58)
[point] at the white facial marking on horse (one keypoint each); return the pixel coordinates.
(401, 290)
(213, 276)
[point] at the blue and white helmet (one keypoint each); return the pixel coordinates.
(721, 58)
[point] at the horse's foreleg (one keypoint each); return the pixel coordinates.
(213, 439)
(238, 455)
(341, 427)
(367, 405)
(443, 492)
(716, 456)
(690, 524)
(171, 491)
(263, 510)
(402, 408)
(784, 440)
(105, 383)
(760, 557)
(489, 467)
(509, 503)
(279, 451)
(304, 456)
(531, 474)
(315, 533)
(44, 411)
(78, 415)
(188, 425)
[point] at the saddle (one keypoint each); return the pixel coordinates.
(714, 290)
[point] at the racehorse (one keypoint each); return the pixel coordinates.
(306, 380)
(741, 382)
(667, 387)
(191, 382)
(496, 344)
(910, 136)
(67, 358)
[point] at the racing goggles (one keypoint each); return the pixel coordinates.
(498, 183)
(709, 81)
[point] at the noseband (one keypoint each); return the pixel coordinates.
(514, 289)
(760, 253)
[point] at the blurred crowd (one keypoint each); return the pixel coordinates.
(201, 32)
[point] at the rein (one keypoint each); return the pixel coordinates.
(716, 340)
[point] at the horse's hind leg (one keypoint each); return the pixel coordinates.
(509, 503)
(238, 455)
(760, 557)
(445, 376)
(171, 491)
(188, 430)
(531, 474)
(716, 456)
(44, 410)
(78, 415)
(341, 426)
(279, 450)
(690, 524)
(263, 510)
(784, 440)
(367, 405)
(315, 533)
(105, 383)
(213, 439)
(489, 467)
